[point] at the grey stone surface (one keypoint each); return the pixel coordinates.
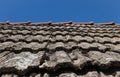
(21, 61)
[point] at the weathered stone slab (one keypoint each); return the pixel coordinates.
(21, 61)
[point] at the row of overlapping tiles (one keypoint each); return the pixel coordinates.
(58, 47)
(67, 74)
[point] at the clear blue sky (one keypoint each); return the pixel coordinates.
(60, 10)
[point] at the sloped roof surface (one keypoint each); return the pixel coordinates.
(59, 49)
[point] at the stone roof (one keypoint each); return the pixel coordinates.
(70, 49)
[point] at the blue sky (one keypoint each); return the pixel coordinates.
(60, 10)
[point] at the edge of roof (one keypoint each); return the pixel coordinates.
(55, 23)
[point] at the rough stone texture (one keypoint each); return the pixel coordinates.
(21, 61)
(60, 58)
(79, 60)
(105, 60)
(92, 74)
(59, 50)
(9, 75)
(68, 75)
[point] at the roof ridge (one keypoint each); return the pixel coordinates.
(55, 23)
